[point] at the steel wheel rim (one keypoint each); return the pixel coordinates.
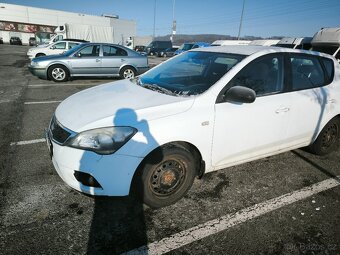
(167, 178)
(128, 74)
(330, 136)
(58, 74)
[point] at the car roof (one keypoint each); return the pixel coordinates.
(249, 50)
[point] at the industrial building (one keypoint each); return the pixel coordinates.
(25, 22)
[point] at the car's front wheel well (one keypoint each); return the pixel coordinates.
(49, 74)
(155, 155)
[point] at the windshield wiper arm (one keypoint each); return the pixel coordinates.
(155, 87)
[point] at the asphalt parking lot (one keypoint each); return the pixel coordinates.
(285, 204)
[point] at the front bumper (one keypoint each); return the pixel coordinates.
(40, 72)
(113, 172)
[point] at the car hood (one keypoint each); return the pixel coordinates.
(120, 103)
(49, 57)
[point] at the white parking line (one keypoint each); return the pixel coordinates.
(225, 222)
(44, 102)
(58, 84)
(42, 140)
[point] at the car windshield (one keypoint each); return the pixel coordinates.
(191, 73)
(72, 50)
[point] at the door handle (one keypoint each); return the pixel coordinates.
(122, 59)
(97, 60)
(283, 109)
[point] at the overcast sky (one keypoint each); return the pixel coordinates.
(261, 17)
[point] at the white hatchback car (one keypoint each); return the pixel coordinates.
(201, 111)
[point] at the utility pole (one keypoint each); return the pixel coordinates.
(241, 19)
(154, 20)
(173, 22)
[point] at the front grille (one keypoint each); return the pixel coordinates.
(59, 134)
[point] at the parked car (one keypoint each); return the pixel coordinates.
(1, 40)
(169, 52)
(32, 41)
(188, 46)
(15, 41)
(139, 48)
(90, 59)
(204, 110)
(157, 46)
(53, 49)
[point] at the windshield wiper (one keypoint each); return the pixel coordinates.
(155, 87)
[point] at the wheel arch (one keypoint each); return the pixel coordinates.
(57, 63)
(316, 135)
(129, 65)
(200, 163)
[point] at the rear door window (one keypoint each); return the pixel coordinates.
(307, 72)
(111, 51)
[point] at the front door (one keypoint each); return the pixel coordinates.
(87, 61)
(243, 132)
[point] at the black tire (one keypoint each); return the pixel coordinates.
(127, 72)
(40, 55)
(328, 140)
(166, 176)
(58, 73)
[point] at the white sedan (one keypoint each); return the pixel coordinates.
(51, 49)
(204, 110)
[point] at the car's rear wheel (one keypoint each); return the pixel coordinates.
(167, 176)
(40, 55)
(329, 138)
(58, 73)
(127, 72)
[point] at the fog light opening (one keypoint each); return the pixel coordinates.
(86, 179)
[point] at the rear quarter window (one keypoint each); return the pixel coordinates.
(329, 68)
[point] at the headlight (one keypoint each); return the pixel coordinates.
(33, 63)
(102, 140)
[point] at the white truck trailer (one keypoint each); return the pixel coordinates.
(100, 34)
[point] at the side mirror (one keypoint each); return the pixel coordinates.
(78, 55)
(53, 47)
(239, 94)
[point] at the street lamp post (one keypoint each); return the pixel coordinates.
(154, 20)
(241, 19)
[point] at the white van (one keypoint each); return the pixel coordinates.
(295, 43)
(230, 42)
(264, 42)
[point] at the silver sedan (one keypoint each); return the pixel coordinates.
(90, 59)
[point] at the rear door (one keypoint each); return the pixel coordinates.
(87, 61)
(311, 96)
(113, 58)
